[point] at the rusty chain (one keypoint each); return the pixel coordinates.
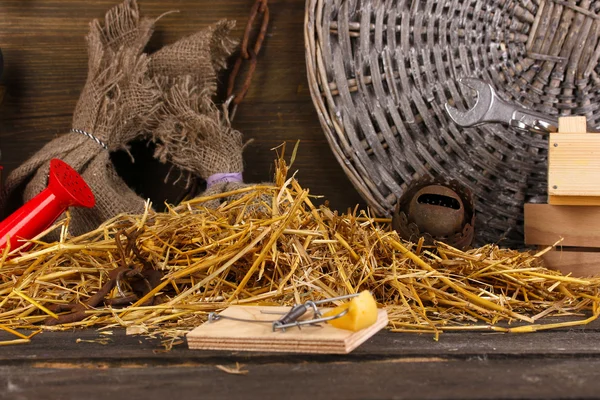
(247, 55)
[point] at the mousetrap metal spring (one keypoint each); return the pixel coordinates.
(292, 317)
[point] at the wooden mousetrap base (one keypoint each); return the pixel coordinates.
(226, 334)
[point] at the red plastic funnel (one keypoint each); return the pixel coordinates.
(65, 188)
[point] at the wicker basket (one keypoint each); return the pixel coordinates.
(380, 73)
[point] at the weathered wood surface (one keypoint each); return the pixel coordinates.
(46, 64)
(553, 364)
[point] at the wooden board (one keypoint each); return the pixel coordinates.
(574, 164)
(546, 365)
(577, 263)
(226, 334)
(576, 124)
(574, 200)
(578, 227)
(545, 224)
(400, 378)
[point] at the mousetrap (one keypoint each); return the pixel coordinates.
(256, 328)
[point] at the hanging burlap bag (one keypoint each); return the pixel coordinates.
(191, 133)
(114, 107)
(129, 95)
(192, 136)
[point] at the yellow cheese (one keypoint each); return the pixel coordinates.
(362, 312)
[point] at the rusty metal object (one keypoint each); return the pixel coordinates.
(437, 210)
(248, 54)
(130, 269)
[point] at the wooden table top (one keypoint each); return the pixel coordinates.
(545, 365)
(45, 68)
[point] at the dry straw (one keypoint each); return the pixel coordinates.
(272, 246)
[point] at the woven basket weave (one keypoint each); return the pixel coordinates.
(380, 73)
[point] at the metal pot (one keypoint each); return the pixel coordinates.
(437, 210)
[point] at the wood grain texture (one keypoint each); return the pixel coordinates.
(122, 349)
(576, 263)
(546, 224)
(574, 200)
(574, 164)
(551, 364)
(226, 334)
(577, 226)
(576, 124)
(421, 378)
(45, 61)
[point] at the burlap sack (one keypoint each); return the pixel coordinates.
(194, 136)
(198, 57)
(191, 135)
(115, 106)
(128, 95)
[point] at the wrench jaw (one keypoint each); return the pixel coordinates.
(477, 114)
(457, 116)
(476, 84)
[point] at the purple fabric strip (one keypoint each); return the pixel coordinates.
(224, 177)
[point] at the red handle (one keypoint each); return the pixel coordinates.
(65, 188)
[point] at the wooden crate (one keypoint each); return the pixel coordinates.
(573, 164)
(572, 215)
(579, 228)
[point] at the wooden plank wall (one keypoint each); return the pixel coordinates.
(45, 68)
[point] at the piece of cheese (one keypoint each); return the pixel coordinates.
(362, 312)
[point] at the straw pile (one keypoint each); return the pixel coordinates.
(271, 245)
